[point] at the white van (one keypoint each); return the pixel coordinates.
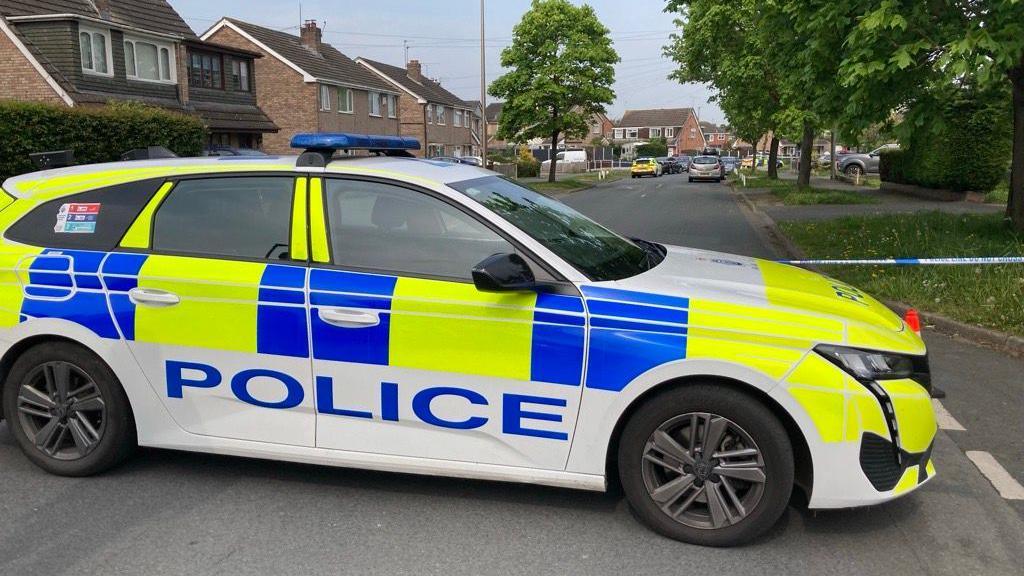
(569, 161)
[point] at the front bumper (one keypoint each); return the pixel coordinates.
(868, 444)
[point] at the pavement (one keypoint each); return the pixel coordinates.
(169, 513)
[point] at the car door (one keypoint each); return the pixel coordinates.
(410, 359)
(209, 292)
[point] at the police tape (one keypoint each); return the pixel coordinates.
(910, 261)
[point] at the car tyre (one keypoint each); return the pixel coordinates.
(853, 170)
(690, 180)
(68, 411)
(744, 423)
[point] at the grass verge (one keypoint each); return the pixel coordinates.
(576, 183)
(1001, 194)
(790, 194)
(989, 296)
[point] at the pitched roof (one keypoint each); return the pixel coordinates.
(151, 15)
(424, 88)
(494, 111)
(657, 117)
(329, 65)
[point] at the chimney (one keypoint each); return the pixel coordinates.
(311, 36)
(414, 70)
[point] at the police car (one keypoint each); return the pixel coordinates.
(383, 312)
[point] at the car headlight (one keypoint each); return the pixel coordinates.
(869, 365)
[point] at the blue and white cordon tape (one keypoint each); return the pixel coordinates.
(911, 261)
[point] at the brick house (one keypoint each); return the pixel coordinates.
(442, 121)
(716, 136)
(599, 127)
(315, 87)
(679, 126)
(493, 114)
(91, 52)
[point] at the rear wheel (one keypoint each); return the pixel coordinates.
(707, 465)
(67, 410)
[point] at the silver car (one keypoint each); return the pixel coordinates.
(706, 168)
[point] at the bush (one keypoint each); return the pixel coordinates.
(967, 147)
(94, 134)
(526, 165)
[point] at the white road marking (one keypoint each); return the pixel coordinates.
(945, 419)
(1006, 485)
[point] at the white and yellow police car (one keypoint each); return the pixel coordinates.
(397, 314)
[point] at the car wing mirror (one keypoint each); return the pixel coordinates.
(504, 273)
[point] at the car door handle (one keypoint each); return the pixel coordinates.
(349, 318)
(153, 297)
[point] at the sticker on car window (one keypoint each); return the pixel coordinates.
(77, 218)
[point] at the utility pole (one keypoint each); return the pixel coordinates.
(405, 44)
(483, 88)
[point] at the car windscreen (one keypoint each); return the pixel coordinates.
(705, 160)
(597, 252)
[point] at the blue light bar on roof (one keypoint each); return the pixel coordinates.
(344, 141)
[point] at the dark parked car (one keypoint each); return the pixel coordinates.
(860, 164)
(670, 165)
(684, 162)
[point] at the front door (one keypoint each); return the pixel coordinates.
(214, 309)
(410, 359)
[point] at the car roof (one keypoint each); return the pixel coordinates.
(61, 182)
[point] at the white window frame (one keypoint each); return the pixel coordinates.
(248, 75)
(374, 98)
(618, 133)
(456, 117)
(392, 106)
(172, 62)
(345, 101)
(670, 132)
(109, 55)
(632, 133)
(655, 132)
(439, 114)
(325, 98)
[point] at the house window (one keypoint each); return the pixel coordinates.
(655, 132)
(94, 46)
(457, 118)
(595, 129)
(345, 100)
(240, 75)
(204, 70)
(617, 134)
(439, 112)
(374, 103)
(392, 106)
(670, 132)
(148, 61)
(325, 98)
(430, 113)
(632, 133)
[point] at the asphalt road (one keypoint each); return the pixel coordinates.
(176, 513)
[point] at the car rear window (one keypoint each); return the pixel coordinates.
(705, 160)
(94, 220)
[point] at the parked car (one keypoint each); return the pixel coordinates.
(684, 162)
(860, 164)
(231, 151)
(645, 167)
(669, 165)
(731, 164)
(706, 168)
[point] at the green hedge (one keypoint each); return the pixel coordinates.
(94, 134)
(966, 148)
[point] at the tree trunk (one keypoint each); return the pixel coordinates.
(1015, 207)
(753, 161)
(806, 151)
(554, 156)
(832, 156)
(773, 158)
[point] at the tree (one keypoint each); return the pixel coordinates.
(903, 51)
(723, 44)
(656, 148)
(561, 71)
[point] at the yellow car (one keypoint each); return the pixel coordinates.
(645, 167)
(425, 317)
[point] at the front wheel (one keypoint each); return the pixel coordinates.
(853, 171)
(706, 464)
(67, 410)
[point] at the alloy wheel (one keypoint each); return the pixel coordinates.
(61, 410)
(703, 470)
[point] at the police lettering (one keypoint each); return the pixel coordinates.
(520, 413)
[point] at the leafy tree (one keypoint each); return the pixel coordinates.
(561, 64)
(656, 148)
(904, 52)
(724, 45)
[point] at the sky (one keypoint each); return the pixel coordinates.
(445, 36)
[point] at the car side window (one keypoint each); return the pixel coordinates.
(94, 220)
(246, 217)
(378, 226)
